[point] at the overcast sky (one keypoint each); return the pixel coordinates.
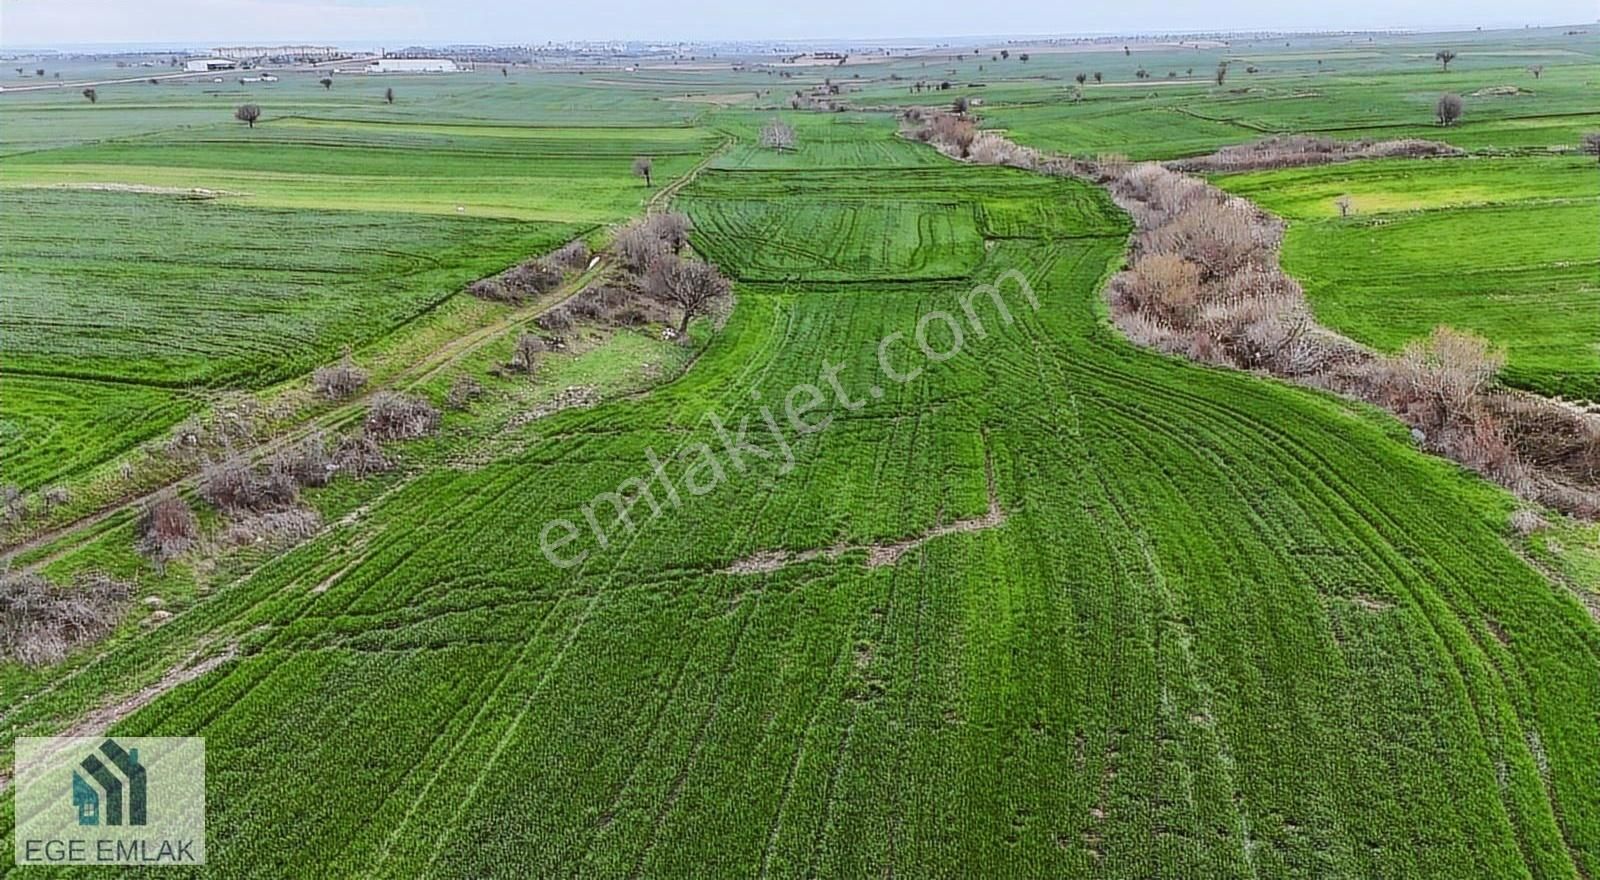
(56, 22)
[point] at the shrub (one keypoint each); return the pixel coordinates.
(339, 381)
(530, 278)
(525, 354)
(360, 456)
(463, 391)
(167, 528)
(308, 463)
(232, 485)
(40, 623)
(1524, 522)
(400, 417)
(1448, 109)
(636, 245)
(492, 290)
(573, 255)
(556, 320)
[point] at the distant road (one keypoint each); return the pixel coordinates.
(100, 82)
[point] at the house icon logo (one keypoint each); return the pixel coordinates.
(107, 786)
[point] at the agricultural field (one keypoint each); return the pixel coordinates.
(1021, 599)
(1463, 242)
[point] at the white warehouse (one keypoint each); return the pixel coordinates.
(412, 65)
(202, 65)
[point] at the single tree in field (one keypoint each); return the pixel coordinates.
(1222, 72)
(1082, 78)
(388, 96)
(39, 72)
(503, 72)
(154, 81)
(1591, 143)
(1005, 53)
(777, 135)
(1344, 204)
(642, 166)
(1098, 76)
(1126, 51)
(1444, 57)
(1536, 70)
(327, 82)
(693, 286)
(247, 113)
(959, 105)
(1449, 109)
(92, 95)
(1024, 57)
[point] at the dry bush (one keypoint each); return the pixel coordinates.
(463, 391)
(1165, 286)
(273, 528)
(395, 416)
(1450, 369)
(360, 456)
(308, 462)
(1292, 151)
(1448, 109)
(1220, 237)
(40, 623)
(167, 528)
(573, 255)
(1525, 521)
(530, 278)
(525, 353)
(557, 320)
(952, 134)
(339, 381)
(232, 485)
(671, 228)
(492, 290)
(777, 135)
(636, 245)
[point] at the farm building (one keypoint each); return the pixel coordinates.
(412, 65)
(201, 65)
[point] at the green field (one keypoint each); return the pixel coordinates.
(1463, 242)
(1199, 623)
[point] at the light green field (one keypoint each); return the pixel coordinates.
(1470, 243)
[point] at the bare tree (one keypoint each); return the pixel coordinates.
(960, 105)
(167, 528)
(92, 95)
(693, 286)
(642, 166)
(1222, 72)
(388, 96)
(327, 82)
(247, 113)
(1448, 109)
(525, 354)
(339, 381)
(671, 228)
(1082, 78)
(777, 135)
(1536, 70)
(1444, 57)
(1344, 204)
(1098, 77)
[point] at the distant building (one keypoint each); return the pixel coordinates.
(202, 65)
(412, 65)
(283, 53)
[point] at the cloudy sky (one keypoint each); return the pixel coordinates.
(57, 22)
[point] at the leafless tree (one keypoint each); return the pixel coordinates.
(672, 228)
(1444, 57)
(400, 417)
(642, 166)
(1448, 109)
(1082, 78)
(777, 135)
(1536, 70)
(327, 82)
(40, 623)
(959, 106)
(692, 286)
(1098, 77)
(1222, 72)
(248, 113)
(388, 96)
(637, 246)
(92, 95)
(1344, 205)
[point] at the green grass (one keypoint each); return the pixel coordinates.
(1228, 627)
(1467, 243)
